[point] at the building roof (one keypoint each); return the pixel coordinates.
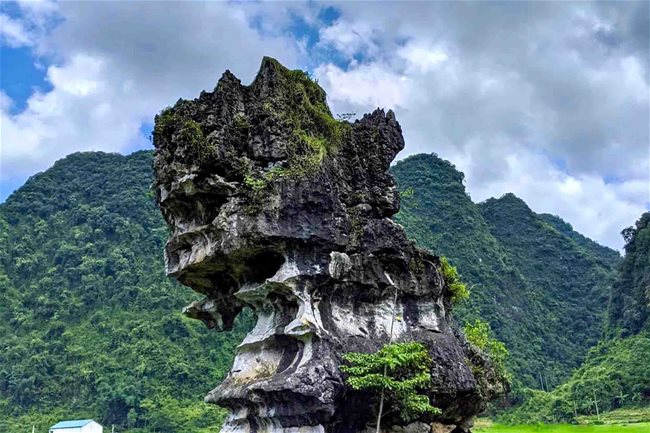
(71, 424)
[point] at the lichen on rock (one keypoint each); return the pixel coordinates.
(275, 205)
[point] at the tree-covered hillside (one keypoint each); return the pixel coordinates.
(91, 327)
(89, 324)
(629, 305)
(542, 287)
(616, 372)
(572, 282)
(607, 255)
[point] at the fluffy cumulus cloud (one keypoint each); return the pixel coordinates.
(83, 111)
(549, 101)
(349, 38)
(12, 32)
(546, 100)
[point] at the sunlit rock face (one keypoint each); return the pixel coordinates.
(275, 205)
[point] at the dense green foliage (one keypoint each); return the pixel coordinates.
(89, 324)
(629, 306)
(565, 428)
(606, 255)
(479, 334)
(575, 284)
(401, 370)
(616, 372)
(541, 286)
(458, 289)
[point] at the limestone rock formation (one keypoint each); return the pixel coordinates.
(276, 206)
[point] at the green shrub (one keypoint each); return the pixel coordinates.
(478, 334)
(407, 193)
(458, 289)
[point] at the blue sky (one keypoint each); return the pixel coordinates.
(21, 76)
(546, 100)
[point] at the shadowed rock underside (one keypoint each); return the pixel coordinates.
(276, 206)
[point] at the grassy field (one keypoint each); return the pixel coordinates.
(565, 428)
(620, 416)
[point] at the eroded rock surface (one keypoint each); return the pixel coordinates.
(275, 205)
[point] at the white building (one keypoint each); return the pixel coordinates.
(77, 426)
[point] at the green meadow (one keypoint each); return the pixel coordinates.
(566, 428)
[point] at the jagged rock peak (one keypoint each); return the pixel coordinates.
(276, 205)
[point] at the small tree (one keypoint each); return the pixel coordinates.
(398, 371)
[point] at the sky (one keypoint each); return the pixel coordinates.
(548, 100)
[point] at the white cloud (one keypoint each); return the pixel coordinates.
(69, 118)
(5, 103)
(38, 9)
(25, 30)
(13, 32)
(349, 37)
(422, 58)
(367, 86)
(81, 77)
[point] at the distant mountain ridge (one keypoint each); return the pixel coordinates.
(542, 286)
(91, 327)
(599, 251)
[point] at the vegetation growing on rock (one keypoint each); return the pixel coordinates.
(458, 289)
(478, 333)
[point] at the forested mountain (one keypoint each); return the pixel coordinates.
(89, 324)
(598, 251)
(615, 373)
(91, 327)
(542, 287)
(629, 306)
